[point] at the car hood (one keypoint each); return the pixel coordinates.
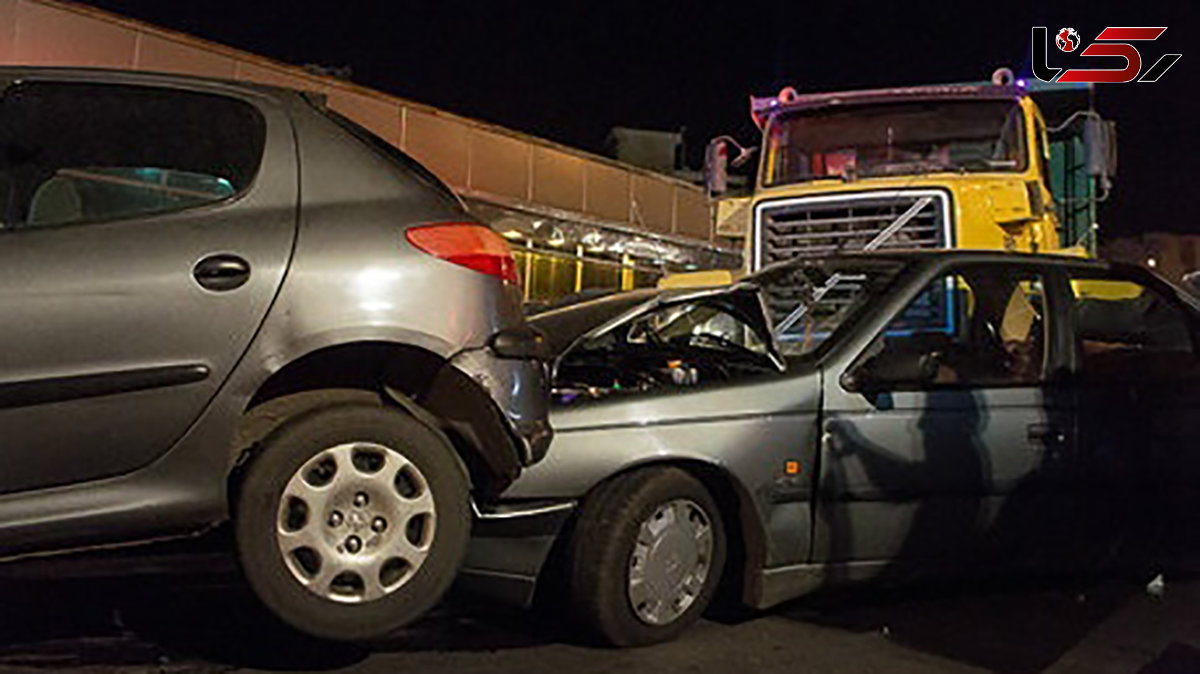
(567, 326)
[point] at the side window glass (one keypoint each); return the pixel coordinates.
(76, 153)
(1127, 332)
(980, 327)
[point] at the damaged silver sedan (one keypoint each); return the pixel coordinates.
(868, 417)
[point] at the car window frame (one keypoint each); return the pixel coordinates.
(7, 84)
(1144, 278)
(1053, 363)
(843, 336)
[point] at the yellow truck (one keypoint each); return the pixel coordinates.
(944, 166)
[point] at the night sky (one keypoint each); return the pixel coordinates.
(571, 71)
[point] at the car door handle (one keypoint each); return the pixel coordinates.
(1048, 438)
(221, 272)
(1046, 434)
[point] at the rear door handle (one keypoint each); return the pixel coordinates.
(1046, 434)
(1047, 438)
(221, 272)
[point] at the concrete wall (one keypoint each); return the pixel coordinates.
(478, 159)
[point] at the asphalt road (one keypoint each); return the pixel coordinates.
(211, 625)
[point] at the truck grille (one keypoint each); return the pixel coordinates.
(818, 228)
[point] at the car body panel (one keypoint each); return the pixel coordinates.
(771, 424)
(995, 492)
(130, 283)
(895, 482)
(323, 228)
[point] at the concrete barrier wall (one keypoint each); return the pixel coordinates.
(478, 159)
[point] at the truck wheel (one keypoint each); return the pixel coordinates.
(646, 557)
(352, 521)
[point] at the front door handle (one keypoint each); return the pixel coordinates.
(221, 272)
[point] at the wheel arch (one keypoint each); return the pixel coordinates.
(745, 534)
(410, 377)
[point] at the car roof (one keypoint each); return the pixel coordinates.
(942, 256)
(111, 75)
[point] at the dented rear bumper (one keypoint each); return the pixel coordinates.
(520, 389)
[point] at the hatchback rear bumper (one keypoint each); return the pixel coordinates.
(520, 389)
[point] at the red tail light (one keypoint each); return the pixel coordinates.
(470, 245)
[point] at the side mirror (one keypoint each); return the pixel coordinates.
(523, 342)
(717, 163)
(716, 166)
(859, 379)
(1100, 138)
(871, 376)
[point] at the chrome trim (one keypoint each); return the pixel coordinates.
(529, 512)
(939, 194)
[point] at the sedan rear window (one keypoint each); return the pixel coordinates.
(79, 152)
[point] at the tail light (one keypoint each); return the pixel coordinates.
(468, 245)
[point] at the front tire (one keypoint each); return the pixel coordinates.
(646, 557)
(352, 521)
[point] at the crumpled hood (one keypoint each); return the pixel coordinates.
(566, 326)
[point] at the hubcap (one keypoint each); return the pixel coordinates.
(355, 522)
(670, 562)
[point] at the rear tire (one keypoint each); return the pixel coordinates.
(352, 521)
(646, 557)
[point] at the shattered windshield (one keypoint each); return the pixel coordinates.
(894, 139)
(811, 303)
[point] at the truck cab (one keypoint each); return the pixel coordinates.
(968, 166)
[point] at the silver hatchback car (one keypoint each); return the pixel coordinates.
(224, 301)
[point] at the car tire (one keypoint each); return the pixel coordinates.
(352, 521)
(630, 554)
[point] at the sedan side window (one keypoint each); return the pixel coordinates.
(76, 152)
(979, 327)
(1127, 332)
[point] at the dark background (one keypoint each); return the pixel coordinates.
(571, 71)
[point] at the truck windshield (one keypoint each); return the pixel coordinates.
(894, 139)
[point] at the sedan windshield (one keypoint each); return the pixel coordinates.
(811, 303)
(894, 139)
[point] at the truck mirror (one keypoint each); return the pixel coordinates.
(716, 166)
(1100, 138)
(717, 163)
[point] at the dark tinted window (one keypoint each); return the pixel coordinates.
(1127, 332)
(895, 139)
(73, 152)
(979, 327)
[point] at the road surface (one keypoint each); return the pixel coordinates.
(199, 624)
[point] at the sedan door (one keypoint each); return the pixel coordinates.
(145, 233)
(944, 444)
(1138, 391)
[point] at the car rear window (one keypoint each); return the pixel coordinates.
(82, 152)
(392, 154)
